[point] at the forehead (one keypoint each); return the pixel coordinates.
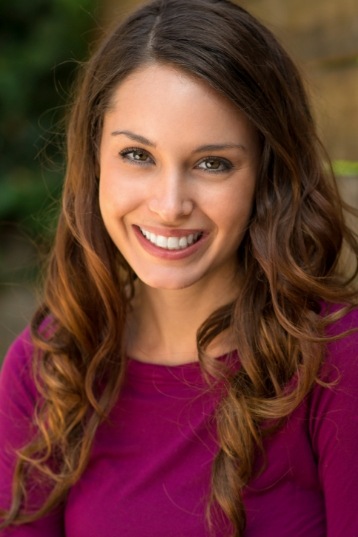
(159, 97)
(156, 79)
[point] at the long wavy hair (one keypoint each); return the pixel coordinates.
(290, 256)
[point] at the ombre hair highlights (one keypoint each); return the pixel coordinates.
(290, 256)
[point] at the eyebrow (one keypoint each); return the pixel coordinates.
(218, 147)
(134, 137)
(203, 148)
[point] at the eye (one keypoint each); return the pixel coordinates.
(215, 164)
(136, 155)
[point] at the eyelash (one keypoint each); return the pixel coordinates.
(126, 152)
(224, 163)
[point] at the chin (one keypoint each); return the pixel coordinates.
(167, 286)
(170, 283)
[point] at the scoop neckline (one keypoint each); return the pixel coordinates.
(189, 371)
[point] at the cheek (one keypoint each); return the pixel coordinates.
(106, 198)
(234, 210)
(116, 197)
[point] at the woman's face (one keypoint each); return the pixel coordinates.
(177, 178)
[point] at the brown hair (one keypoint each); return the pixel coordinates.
(290, 254)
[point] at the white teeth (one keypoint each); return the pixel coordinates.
(171, 243)
(161, 241)
(183, 242)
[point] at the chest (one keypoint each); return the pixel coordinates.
(150, 470)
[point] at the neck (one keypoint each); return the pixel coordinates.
(164, 323)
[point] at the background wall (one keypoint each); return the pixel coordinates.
(40, 43)
(322, 36)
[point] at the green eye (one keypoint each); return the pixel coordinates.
(135, 155)
(214, 164)
(139, 155)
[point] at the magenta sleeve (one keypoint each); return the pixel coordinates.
(18, 397)
(334, 431)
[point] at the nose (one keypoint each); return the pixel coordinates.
(170, 198)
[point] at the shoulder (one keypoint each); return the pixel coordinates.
(340, 322)
(341, 352)
(333, 424)
(334, 399)
(16, 379)
(19, 354)
(18, 399)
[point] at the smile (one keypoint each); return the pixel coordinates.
(171, 243)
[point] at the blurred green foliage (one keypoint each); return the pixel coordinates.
(345, 168)
(41, 42)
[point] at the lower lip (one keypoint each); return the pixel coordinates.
(163, 253)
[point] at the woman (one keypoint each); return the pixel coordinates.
(192, 369)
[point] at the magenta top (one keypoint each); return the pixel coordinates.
(149, 470)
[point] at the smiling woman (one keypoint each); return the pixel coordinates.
(192, 369)
(178, 204)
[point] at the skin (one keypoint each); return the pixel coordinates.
(159, 175)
